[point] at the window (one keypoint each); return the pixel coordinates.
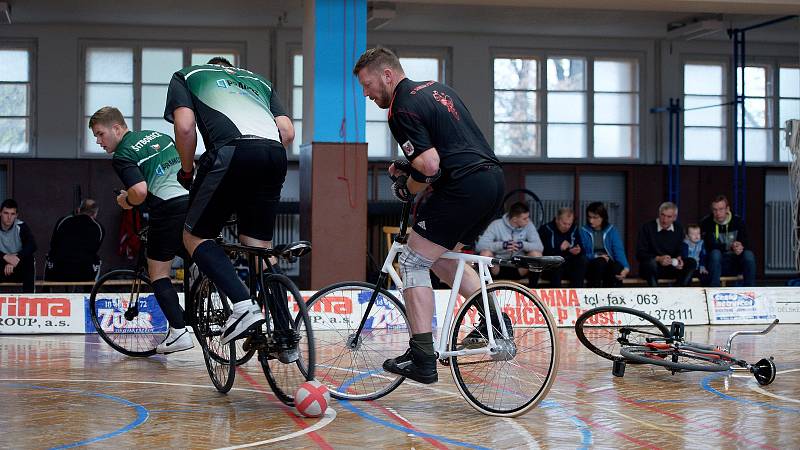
(135, 80)
(704, 121)
(605, 104)
(15, 100)
(757, 123)
(788, 105)
(297, 101)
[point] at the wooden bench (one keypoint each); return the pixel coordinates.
(666, 282)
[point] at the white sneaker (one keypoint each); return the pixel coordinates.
(177, 339)
(246, 315)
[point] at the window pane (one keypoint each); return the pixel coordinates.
(89, 141)
(515, 106)
(566, 141)
(565, 74)
(511, 139)
(13, 65)
(790, 82)
(616, 108)
(297, 102)
(713, 116)
(158, 64)
(755, 81)
(790, 109)
(159, 125)
(119, 96)
(785, 153)
(377, 139)
(13, 135)
(703, 79)
(375, 113)
(153, 100)
(703, 144)
(109, 65)
(13, 99)
(759, 145)
(566, 107)
(616, 76)
(421, 69)
(615, 141)
(202, 57)
(756, 113)
(298, 136)
(297, 70)
(515, 74)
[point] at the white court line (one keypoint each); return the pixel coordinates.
(53, 340)
(756, 388)
(330, 414)
(601, 388)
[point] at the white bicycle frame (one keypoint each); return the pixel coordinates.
(484, 262)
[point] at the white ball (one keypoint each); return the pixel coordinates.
(311, 399)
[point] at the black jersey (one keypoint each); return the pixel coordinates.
(426, 115)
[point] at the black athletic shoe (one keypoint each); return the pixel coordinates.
(414, 365)
(480, 335)
(286, 345)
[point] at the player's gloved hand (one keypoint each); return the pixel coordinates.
(402, 165)
(185, 178)
(400, 190)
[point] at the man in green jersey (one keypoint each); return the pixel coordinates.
(245, 130)
(147, 163)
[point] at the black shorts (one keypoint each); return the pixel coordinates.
(462, 209)
(165, 235)
(244, 177)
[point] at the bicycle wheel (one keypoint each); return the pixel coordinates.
(125, 313)
(606, 329)
(210, 313)
(678, 360)
(284, 379)
(353, 368)
(519, 375)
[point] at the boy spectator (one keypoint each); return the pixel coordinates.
(509, 235)
(694, 248)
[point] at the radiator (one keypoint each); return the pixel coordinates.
(778, 236)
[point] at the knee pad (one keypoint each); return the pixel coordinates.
(415, 269)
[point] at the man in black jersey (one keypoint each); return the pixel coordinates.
(444, 149)
(245, 129)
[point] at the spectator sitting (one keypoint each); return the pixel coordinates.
(74, 245)
(607, 265)
(16, 247)
(725, 238)
(658, 249)
(693, 248)
(511, 234)
(561, 237)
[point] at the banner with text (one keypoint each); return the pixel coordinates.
(753, 305)
(41, 313)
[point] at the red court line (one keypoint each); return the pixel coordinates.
(320, 441)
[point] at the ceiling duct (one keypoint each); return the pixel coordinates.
(695, 29)
(379, 14)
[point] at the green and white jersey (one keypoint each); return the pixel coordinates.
(149, 156)
(228, 103)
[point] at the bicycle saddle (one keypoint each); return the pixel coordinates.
(537, 263)
(293, 250)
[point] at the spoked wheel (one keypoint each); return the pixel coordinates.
(352, 366)
(605, 330)
(519, 374)
(677, 359)
(298, 367)
(210, 313)
(125, 313)
(764, 371)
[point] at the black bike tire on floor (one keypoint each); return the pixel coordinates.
(579, 325)
(114, 274)
(396, 380)
(305, 365)
(202, 322)
(640, 355)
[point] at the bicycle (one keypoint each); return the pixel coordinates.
(628, 336)
(504, 372)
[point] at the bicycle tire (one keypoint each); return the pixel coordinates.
(604, 340)
(510, 385)
(209, 316)
(284, 379)
(357, 373)
(669, 358)
(108, 302)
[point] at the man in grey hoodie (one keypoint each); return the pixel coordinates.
(510, 235)
(16, 248)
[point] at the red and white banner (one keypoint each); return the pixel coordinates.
(42, 313)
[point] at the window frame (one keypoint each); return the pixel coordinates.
(187, 47)
(31, 46)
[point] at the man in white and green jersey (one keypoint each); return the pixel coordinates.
(147, 163)
(244, 128)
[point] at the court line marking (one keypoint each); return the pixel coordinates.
(760, 390)
(602, 388)
(706, 384)
(320, 424)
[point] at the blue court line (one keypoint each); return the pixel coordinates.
(141, 412)
(706, 383)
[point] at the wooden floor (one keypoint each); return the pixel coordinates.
(68, 390)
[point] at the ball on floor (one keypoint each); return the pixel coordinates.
(311, 399)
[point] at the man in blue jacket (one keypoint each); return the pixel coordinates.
(510, 235)
(561, 237)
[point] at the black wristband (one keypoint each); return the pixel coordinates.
(420, 177)
(128, 202)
